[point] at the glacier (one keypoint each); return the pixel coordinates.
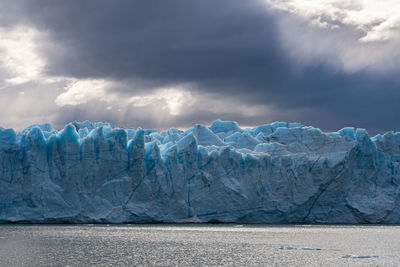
(274, 173)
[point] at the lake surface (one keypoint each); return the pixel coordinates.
(195, 245)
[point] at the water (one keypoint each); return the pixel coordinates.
(195, 245)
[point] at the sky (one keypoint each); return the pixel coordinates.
(161, 64)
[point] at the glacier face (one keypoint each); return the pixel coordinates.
(274, 173)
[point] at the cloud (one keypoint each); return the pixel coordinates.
(161, 108)
(162, 64)
(82, 91)
(348, 35)
(28, 103)
(170, 99)
(378, 20)
(19, 56)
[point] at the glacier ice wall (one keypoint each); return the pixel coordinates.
(274, 173)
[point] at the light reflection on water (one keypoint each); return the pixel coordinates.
(195, 245)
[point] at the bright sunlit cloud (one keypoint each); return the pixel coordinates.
(81, 91)
(170, 99)
(378, 20)
(351, 36)
(180, 101)
(19, 54)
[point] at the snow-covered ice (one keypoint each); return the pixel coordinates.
(274, 173)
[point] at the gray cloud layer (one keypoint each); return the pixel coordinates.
(222, 48)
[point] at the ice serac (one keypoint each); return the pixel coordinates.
(274, 173)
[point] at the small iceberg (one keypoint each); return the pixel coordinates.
(307, 248)
(286, 247)
(360, 256)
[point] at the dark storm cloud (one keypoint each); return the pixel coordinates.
(224, 43)
(225, 47)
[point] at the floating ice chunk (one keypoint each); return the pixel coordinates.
(287, 247)
(308, 248)
(360, 256)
